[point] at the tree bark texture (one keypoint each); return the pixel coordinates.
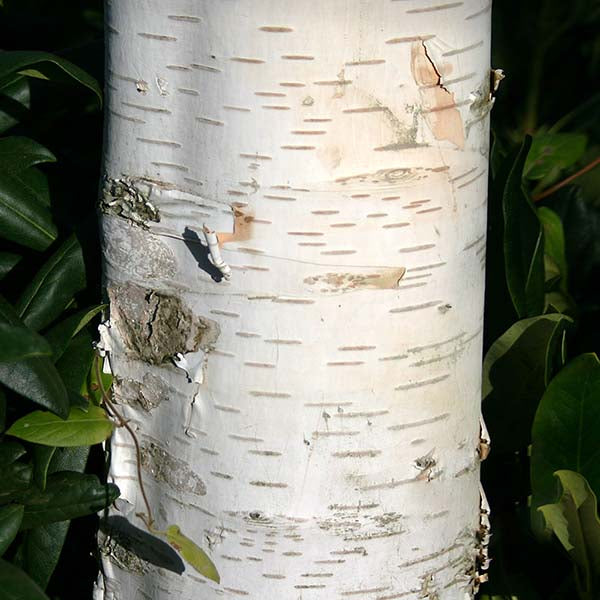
(312, 419)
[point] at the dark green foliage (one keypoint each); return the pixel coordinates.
(48, 313)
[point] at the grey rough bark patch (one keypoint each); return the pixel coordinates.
(172, 471)
(129, 198)
(147, 394)
(155, 326)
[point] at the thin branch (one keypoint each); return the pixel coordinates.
(566, 181)
(122, 422)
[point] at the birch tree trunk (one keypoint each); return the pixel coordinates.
(307, 407)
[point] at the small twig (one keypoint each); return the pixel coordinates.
(566, 181)
(122, 422)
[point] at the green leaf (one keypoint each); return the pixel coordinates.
(59, 336)
(54, 286)
(76, 360)
(516, 370)
(16, 585)
(11, 516)
(67, 495)
(91, 387)
(79, 429)
(42, 455)
(565, 429)
(574, 521)
(191, 553)
(15, 100)
(554, 241)
(18, 343)
(48, 66)
(41, 548)
(8, 261)
(553, 152)
(10, 451)
(23, 219)
(19, 153)
(2, 410)
(523, 243)
(14, 479)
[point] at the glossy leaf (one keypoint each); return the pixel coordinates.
(554, 241)
(516, 370)
(8, 261)
(60, 334)
(14, 479)
(16, 585)
(574, 521)
(79, 429)
(550, 153)
(23, 219)
(523, 243)
(91, 387)
(67, 495)
(19, 153)
(41, 550)
(42, 455)
(75, 362)
(48, 65)
(15, 100)
(54, 286)
(192, 553)
(11, 516)
(18, 343)
(565, 429)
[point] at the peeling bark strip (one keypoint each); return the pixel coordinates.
(292, 224)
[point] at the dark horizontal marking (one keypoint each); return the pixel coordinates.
(306, 233)
(395, 147)
(277, 197)
(275, 29)
(322, 405)
(209, 121)
(291, 554)
(271, 94)
(246, 59)
(479, 12)
(394, 357)
(412, 307)
(244, 438)
(338, 225)
(426, 267)
(179, 68)
(234, 559)
(408, 39)
(429, 210)
(446, 107)
(334, 82)
(318, 434)
(337, 252)
(159, 142)
(459, 79)
(324, 212)
(357, 454)
(209, 451)
(309, 132)
(416, 248)
(184, 18)
(223, 353)
(435, 8)
(431, 556)
(298, 147)
(394, 483)
(256, 156)
(156, 36)
(294, 301)
(269, 484)
(125, 117)
(348, 363)
(316, 575)
(205, 68)
(170, 165)
(221, 475)
(275, 107)
(247, 334)
(292, 84)
(389, 198)
(251, 250)
(361, 63)
(264, 452)
(188, 91)
(230, 409)
(312, 244)
(422, 383)
(238, 108)
(395, 225)
(309, 587)
(355, 348)
(474, 243)
(297, 57)
(365, 109)
(412, 285)
(420, 423)
(273, 575)
(365, 591)
(360, 196)
(261, 394)
(283, 342)
(317, 120)
(147, 108)
(453, 179)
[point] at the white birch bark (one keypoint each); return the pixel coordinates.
(313, 420)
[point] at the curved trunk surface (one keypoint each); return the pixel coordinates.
(306, 391)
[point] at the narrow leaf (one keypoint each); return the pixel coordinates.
(19, 153)
(18, 343)
(192, 553)
(8, 261)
